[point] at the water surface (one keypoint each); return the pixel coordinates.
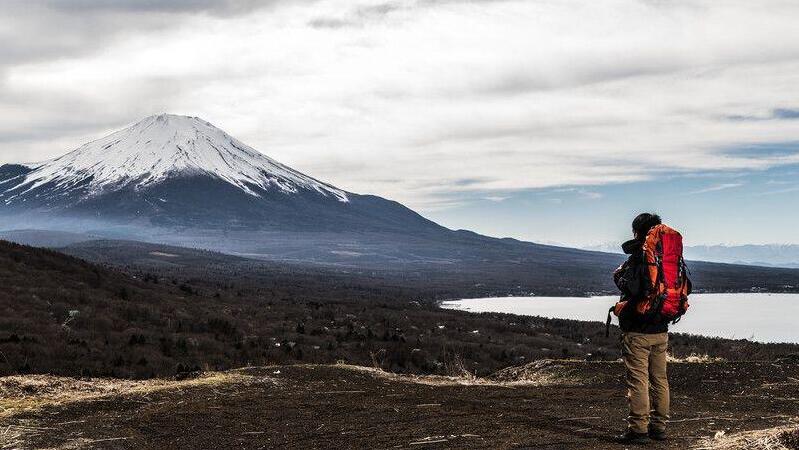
(757, 317)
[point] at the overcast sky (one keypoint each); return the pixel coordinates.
(507, 117)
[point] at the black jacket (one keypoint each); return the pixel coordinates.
(632, 279)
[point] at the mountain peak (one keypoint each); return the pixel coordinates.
(172, 121)
(167, 116)
(165, 146)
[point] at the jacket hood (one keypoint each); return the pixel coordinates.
(632, 246)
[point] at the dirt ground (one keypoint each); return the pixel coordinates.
(546, 405)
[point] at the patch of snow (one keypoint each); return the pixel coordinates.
(165, 255)
(164, 146)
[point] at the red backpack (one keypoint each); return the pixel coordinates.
(667, 286)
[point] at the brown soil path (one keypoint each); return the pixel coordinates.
(563, 405)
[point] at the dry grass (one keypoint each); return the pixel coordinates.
(24, 393)
(693, 358)
(430, 380)
(778, 438)
(548, 372)
(540, 373)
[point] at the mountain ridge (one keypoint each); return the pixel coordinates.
(769, 255)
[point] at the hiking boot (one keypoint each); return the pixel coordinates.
(657, 435)
(631, 437)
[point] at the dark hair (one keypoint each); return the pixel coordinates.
(644, 222)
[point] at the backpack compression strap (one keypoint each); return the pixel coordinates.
(607, 323)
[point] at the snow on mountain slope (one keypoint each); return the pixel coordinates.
(161, 147)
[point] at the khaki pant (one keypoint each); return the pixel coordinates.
(645, 361)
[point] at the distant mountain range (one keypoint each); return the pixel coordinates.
(770, 255)
(179, 180)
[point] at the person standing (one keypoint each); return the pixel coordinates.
(654, 288)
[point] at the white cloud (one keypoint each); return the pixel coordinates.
(717, 187)
(405, 98)
(780, 191)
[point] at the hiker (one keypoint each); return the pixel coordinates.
(645, 310)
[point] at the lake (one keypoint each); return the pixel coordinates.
(757, 317)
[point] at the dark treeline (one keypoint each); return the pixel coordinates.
(62, 315)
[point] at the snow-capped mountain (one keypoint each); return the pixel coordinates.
(170, 170)
(155, 149)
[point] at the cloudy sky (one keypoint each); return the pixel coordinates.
(544, 120)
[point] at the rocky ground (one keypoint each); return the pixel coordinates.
(546, 404)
